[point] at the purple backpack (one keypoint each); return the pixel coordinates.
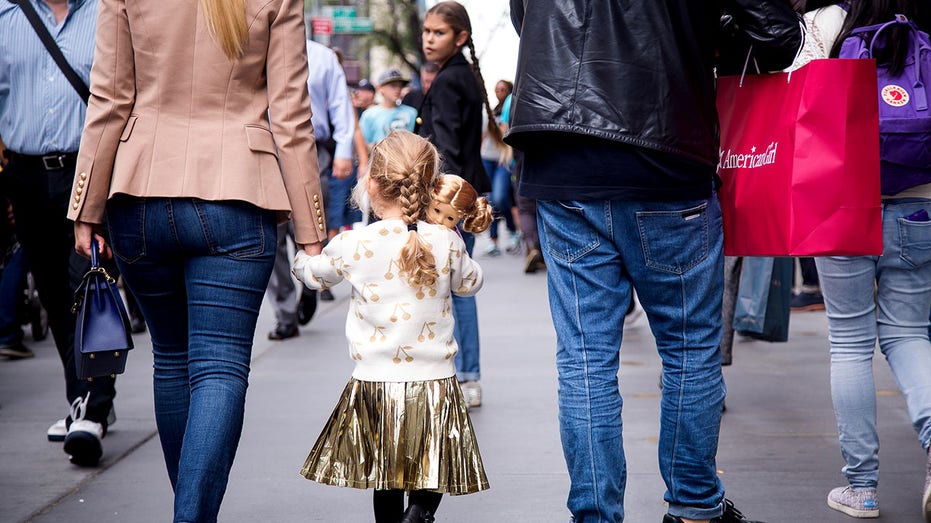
(904, 118)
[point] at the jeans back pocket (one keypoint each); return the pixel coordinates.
(674, 241)
(915, 241)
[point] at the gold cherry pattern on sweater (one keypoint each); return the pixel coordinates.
(368, 292)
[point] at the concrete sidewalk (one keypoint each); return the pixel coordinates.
(778, 452)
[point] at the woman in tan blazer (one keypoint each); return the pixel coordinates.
(197, 141)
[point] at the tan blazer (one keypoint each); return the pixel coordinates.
(171, 116)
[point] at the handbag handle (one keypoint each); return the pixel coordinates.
(95, 268)
(95, 253)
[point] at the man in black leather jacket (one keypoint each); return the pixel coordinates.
(614, 109)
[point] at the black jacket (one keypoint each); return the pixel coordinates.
(640, 72)
(452, 120)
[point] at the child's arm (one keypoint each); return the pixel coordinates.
(322, 271)
(466, 276)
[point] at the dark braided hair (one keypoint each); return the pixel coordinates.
(454, 14)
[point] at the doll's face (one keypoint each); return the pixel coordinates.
(442, 214)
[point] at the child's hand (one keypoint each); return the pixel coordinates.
(301, 270)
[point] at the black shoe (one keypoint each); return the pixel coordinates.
(136, 325)
(731, 515)
(416, 514)
(283, 332)
(307, 306)
(15, 351)
(326, 295)
(807, 301)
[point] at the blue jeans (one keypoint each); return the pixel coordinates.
(671, 254)
(199, 271)
(11, 294)
(501, 196)
(465, 312)
(340, 211)
(896, 314)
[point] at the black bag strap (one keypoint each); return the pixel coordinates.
(53, 49)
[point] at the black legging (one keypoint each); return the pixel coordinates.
(389, 504)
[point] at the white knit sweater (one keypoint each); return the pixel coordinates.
(396, 332)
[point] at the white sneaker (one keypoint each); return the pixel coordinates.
(472, 393)
(858, 503)
(82, 442)
(57, 431)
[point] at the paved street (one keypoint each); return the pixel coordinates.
(778, 454)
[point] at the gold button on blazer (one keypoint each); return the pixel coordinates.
(171, 116)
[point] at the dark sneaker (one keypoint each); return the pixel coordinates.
(16, 351)
(283, 332)
(807, 301)
(307, 306)
(731, 515)
(857, 503)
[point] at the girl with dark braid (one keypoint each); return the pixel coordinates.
(401, 424)
(451, 118)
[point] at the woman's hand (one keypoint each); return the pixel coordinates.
(83, 234)
(312, 249)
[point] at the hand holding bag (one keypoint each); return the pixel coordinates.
(102, 335)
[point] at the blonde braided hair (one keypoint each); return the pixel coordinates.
(404, 167)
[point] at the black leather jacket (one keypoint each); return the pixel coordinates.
(639, 72)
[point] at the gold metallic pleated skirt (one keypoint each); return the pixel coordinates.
(399, 435)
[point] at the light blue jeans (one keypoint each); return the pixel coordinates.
(199, 270)
(465, 312)
(671, 253)
(895, 313)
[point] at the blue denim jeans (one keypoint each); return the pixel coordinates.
(465, 312)
(895, 313)
(11, 294)
(501, 197)
(671, 254)
(199, 271)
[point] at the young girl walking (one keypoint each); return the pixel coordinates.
(401, 424)
(451, 118)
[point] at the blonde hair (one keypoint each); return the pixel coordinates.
(461, 196)
(226, 21)
(403, 167)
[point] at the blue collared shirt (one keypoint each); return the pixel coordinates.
(329, 98)
(40, 112)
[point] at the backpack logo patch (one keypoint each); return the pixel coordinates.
(894, 95)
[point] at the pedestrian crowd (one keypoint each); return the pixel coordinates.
(220, 158)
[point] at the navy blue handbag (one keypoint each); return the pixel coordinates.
(102, 336)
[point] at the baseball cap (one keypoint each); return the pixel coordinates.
(365, 85)
(392, 75)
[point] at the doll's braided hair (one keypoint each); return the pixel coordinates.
(403, 167)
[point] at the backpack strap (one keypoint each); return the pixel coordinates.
(53, 49)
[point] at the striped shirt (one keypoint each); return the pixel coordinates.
(40, 112)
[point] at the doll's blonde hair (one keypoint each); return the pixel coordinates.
(461, 196)
(403, 167)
